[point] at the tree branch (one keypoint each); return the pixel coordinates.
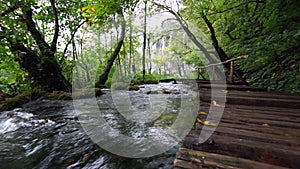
(72, 37)
(236, 6)
(56, 31)
(222, 54)
(9, 10)
(31, 26)
(193, 38)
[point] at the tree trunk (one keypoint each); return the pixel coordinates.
(179, 66)
(149, 55)
(223, 56)
(41, 65)
(130, 46)
(125, 67)
(45, 72)
(51, 78)
(104, 76)
(145, 41)
(75, 57)
(193, 38)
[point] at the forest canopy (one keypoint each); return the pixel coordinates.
(42, 41)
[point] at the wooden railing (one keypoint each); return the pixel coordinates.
(231, 78)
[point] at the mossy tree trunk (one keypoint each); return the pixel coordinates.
(38, 59)
(45, 71)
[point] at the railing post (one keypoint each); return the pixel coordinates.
(231, 72)
(213, 73)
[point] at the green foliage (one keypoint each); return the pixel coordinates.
(29, 31)
(12, 79)
(268, 31)
(67, 68)
(111, 73)
(149, 78)
(272, 43)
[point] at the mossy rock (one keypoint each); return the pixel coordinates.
(15, 102)
(133, 87)
(166, 91)
(152, 92)
(98, 92)
(87, 93)
(151, 82)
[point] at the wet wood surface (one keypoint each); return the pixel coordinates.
(258, 129)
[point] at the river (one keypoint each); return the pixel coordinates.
(46, 134)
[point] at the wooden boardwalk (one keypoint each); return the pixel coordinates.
(258, 129)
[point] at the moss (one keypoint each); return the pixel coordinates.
(149, 79)
(31, 95)
(20, 99)
(14, 102)
(59, 96)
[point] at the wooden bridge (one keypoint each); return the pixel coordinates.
(258, 129)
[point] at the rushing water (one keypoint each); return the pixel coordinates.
(48, 134)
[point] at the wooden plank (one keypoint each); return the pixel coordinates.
(229, 87)
(270, 102)
(261, 122)
(282, 131)
(254, 94)
(217, 160)
(259, 151)
(181, 164)
(287, 141)
(250, 97)
(258, 115)
(274, 127)
(194, 164)
(253, 109)
(257, 111)
(273, 123)
(261, 127)
(289, 111)
(243, 119)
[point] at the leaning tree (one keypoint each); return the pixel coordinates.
(31, 30)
